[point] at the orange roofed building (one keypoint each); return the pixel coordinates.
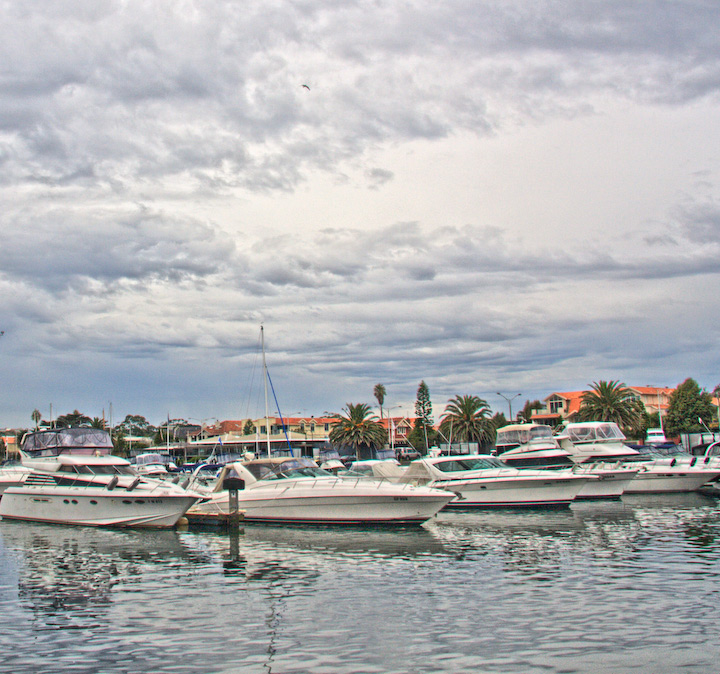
(565, 406)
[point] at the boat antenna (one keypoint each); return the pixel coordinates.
(265, 382)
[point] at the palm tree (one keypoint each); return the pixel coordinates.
(379, 393)
(466, 419)
(36, 417)
(357, 428)
(611, 401)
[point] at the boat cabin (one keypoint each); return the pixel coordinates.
(67, 441)
(514, 435)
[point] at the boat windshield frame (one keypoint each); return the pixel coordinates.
(291, 468)
(468, 463)
(593, 432)
(78, 441)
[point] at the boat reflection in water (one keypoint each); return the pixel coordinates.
(500, 590)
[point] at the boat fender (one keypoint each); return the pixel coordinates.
(176, 479)
(673, 462)
(185, 483)
(693, 460)
(134, 483)
(707, 459)
(112, 484)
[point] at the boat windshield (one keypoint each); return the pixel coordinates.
(291, 468)
(594, 432)
(469, 463)
(67, 441)
(522, 436)
(111, 469)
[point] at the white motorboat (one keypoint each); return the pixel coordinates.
(603, 441)
(296, 490)
(480, 480)
(592, 441)
(531, 445)
(154, 464)
(74, 479)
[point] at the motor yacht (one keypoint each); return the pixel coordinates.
(481, 480)
(534, 446)
(154, 464)
(603, 441)
(74, 479)
(296, 490)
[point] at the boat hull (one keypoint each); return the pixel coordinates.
(609, 483)
(94, 507)
(376, 503)
(514, 492)
(666, 479)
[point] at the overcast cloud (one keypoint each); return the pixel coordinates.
(490, 196)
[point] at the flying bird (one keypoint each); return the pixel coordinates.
(307, 87)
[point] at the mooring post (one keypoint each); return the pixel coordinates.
(233, 486)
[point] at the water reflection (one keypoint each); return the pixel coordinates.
(73, 570)
(491, 591)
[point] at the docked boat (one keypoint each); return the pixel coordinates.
(534, 446)
(603, 441)
(480, 480)
(154, 464)
(296, 490)
(74, 479)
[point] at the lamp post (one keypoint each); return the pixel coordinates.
(509, 402)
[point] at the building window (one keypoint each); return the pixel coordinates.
(555, 406)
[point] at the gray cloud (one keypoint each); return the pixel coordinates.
(150, 155)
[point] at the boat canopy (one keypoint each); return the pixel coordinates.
(601, 431)
(67, 441)
(521, 434)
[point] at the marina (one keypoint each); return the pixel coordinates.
(625, 585)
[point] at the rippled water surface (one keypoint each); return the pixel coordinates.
(627, 586)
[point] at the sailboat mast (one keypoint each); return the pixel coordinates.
(265, 380)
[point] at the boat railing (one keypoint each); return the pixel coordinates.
(321, 481)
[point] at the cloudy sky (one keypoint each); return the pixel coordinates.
(504, 196)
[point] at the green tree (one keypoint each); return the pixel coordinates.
(136, 424)
(379, 393)
(466, 419)
(359, 429)
(97, 422)
(249, 427)
(423, 432)
(612, 401)
(72, 420)
(36, 417)
(525, 415)
(688, 403)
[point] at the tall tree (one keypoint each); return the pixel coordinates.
(36, 417)
(466, 419)
(612, 401)
(359, 429)
(688, 403)
(379, 393)
(423, 426)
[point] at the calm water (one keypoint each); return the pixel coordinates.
(631, 586)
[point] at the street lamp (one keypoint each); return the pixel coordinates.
(509, 402)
